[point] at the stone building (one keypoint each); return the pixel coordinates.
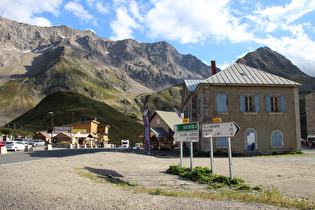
(265, 107)
(310, 113)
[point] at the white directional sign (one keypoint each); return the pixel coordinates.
(227, 129)
(192, 136)
(187, 132)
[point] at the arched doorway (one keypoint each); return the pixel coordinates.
(250, 140)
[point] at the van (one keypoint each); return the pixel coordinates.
(125, 144)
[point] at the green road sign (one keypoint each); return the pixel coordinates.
(186, 127)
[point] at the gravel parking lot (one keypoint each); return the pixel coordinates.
(55, 184)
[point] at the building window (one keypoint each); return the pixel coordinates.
(275, 103)
(249, 103)
(158, 121)
(222, 142)
(277, 139)
(221, 103)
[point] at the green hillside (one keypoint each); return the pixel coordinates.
(69, 107)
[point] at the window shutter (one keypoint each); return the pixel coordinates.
(268, 105)
(221, 103)
(282, 100)
(256, 103)
(242, 103)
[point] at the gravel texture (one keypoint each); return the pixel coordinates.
(55, 183)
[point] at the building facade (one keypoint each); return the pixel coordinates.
(263, 105)
(310, 116)
(161, 124)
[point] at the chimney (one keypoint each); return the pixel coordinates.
(213, 68)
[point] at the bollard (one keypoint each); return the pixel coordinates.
(78, 146)
(3, 150)
(48, 147)
(71, 146)
(28, 148)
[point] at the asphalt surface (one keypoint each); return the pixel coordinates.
(40, 153)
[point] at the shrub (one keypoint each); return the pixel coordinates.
(204, 176)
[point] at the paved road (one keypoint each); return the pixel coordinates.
(40, 153)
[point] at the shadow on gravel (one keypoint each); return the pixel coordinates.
(108, 175)
(64, 152)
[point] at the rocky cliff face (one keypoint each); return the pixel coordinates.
(37, 61)
(155, 66)
(271, 61)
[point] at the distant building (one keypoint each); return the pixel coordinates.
(88, 132)
(161, 124)
(43, 135)
(310, 114)
(265, 106)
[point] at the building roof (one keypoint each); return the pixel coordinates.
(158, 131)
(170, 118)
(239, 74)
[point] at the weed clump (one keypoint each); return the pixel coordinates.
(205, 176)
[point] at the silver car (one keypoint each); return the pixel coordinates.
(15, 145)
(37, 142)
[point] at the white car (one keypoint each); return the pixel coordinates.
(138, 145)
(37, 142)
(15, 145)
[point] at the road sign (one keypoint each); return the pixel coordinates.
(188, 132)
(192, 136)
(227, 129)
(186, 120)
(216, 120)
(193, 126)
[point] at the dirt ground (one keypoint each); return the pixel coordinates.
(292, 175)
(54, 183)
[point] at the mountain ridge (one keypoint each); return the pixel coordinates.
(38, 61)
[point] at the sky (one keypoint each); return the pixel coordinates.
(220, 30)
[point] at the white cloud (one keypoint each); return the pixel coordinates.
(79, 11)
(273, 17)
(28, 11)
(100, 8)
(190, 21)
(124, 24)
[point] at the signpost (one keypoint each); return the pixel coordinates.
(187, 132)
(227, 129)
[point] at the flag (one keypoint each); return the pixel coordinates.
(179, 114)
(147, 133)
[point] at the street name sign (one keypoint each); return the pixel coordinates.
(227, 129)
(187, 132)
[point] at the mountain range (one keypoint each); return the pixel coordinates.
(38, 61)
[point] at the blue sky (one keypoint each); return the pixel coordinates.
(221, 30)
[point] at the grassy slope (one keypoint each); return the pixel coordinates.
(70, 107)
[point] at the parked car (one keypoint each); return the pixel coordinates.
(138, 145)
(37, 142)
(2, 143)
(14, 145)
(24, 141)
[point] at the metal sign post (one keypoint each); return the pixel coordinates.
(191, 156)
(228, 129)
(181, 153)
(230, 158)
(188, 132)
(211, 155)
